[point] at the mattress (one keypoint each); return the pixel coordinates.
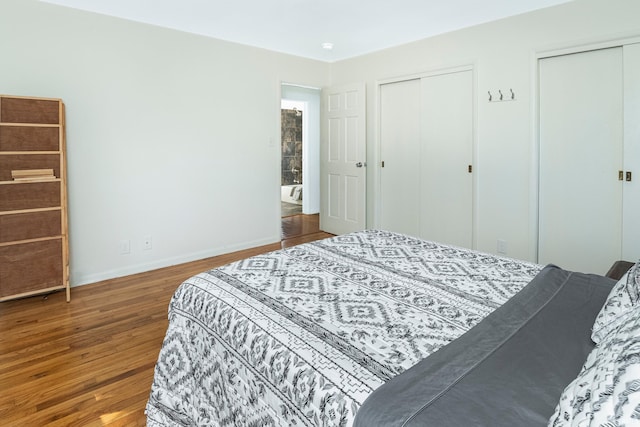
(302, 336)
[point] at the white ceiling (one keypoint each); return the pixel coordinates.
(299, 27)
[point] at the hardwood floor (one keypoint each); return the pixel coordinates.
(90, 362)
(299, 229)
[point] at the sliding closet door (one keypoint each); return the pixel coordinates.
(400, 138)
(581, 137)
(631, 195)
(446, 209)
(426, 132)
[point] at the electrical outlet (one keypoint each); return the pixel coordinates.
(502, 247)
(147, 243)
(125, 247)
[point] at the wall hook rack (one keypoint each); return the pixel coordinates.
(502, 97)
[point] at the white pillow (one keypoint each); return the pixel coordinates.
(624, 296)
(607, 389)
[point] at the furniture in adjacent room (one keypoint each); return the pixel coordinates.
(34, 254)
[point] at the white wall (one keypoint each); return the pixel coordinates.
(504, 56)
(169, 135)
(311, 150)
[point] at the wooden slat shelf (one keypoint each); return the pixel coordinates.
(26, 153)
(18, 242)
(33, 293)
(55, 208)
(35, 181)
(32, 125)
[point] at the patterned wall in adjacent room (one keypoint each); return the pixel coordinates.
(291, 123)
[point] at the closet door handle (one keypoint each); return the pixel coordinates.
(620, 175)
(628, 175)
(359, 165)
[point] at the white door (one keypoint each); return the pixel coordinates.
(343, 160)
(581, 136)
(400, 154)
(446, 154)
(631, 189)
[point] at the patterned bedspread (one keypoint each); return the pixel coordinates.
(301, 336)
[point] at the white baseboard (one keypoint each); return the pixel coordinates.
(86, 279)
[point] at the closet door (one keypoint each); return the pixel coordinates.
(446, 208)
(631, 189)
(400, 138)
(426, 131)
(581, 140)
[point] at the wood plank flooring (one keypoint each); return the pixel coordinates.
(299, 229)
(90, 362)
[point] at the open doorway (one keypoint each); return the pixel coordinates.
(300, 141)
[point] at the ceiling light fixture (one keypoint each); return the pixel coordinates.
(327, 46)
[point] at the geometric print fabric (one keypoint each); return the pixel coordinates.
(303, 335)
(606, 392)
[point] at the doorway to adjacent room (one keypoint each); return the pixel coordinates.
(300, 154)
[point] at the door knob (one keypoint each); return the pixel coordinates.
(359, 164)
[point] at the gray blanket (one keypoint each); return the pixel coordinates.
(509, 370)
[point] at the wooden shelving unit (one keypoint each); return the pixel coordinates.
(34, 248)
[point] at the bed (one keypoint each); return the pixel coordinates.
(375, 329)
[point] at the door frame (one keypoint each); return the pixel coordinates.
(375, 164)
(534, 184)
